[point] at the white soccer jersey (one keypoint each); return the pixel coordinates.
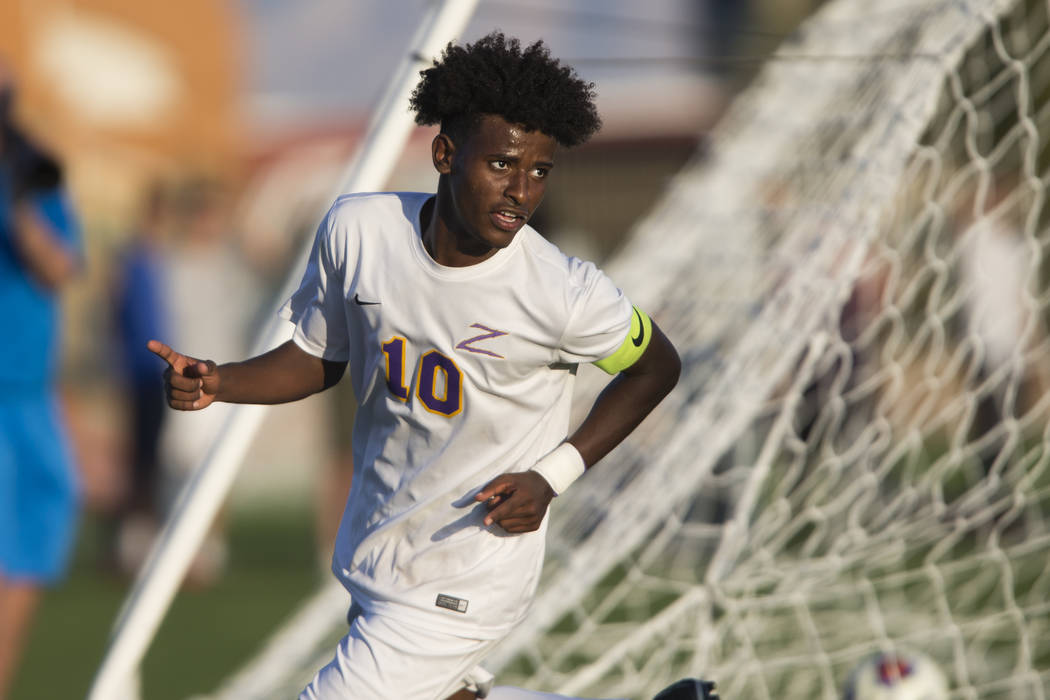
(462, 374)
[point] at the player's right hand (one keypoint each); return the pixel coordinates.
(190, 384)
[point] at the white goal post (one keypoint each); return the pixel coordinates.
(204, 493)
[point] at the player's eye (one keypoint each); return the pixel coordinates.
(540, 173)
(500, 164)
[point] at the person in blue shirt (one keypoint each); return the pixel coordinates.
(141, 313)
(39, 254)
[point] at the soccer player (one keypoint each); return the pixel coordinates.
(462, 328)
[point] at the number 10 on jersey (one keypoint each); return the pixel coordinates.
(436, 373)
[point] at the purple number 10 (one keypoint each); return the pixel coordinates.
(436, 372)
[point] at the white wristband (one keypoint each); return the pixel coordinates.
(562, 466)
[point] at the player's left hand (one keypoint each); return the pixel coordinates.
(517, 502)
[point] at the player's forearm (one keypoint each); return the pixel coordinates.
(628, 399)
(619, 409)
(284, 374)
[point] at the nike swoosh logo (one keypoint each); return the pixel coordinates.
(637, 340)
(357, 300)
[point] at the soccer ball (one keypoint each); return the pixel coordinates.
(899, 675)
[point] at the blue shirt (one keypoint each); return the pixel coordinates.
(29, 339)
(141, 311)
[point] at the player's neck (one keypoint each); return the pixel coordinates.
(443, 243)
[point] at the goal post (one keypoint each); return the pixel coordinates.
(204, 493)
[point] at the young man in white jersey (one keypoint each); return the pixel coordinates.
(462, 329)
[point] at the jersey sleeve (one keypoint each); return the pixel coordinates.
(318, 307)
(599, 316)
(632, 347)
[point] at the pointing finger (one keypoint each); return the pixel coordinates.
(497, 513)
(510, 512)
(494, 488)
(162, 351)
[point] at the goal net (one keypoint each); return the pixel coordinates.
(856, 457)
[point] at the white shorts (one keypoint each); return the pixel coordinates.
(380, 659)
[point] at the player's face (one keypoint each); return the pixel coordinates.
(496, 177)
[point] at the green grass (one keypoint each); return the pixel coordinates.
(206, 633)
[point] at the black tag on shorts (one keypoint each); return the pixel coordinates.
(451, 603)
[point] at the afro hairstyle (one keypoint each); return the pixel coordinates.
(495, 76)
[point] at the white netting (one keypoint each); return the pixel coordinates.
(856, 455)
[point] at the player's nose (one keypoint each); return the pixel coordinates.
(517, 188)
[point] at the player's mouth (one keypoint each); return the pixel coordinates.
(508, 219)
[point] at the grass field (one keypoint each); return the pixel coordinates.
(205, 635)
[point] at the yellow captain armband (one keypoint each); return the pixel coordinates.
(633, 346)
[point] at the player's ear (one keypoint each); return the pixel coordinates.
(442, 151)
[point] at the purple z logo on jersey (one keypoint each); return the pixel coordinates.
(489, 333)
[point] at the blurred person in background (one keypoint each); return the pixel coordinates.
(39, 495)
(212, 296)
(141, 312)
(1001, 318)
